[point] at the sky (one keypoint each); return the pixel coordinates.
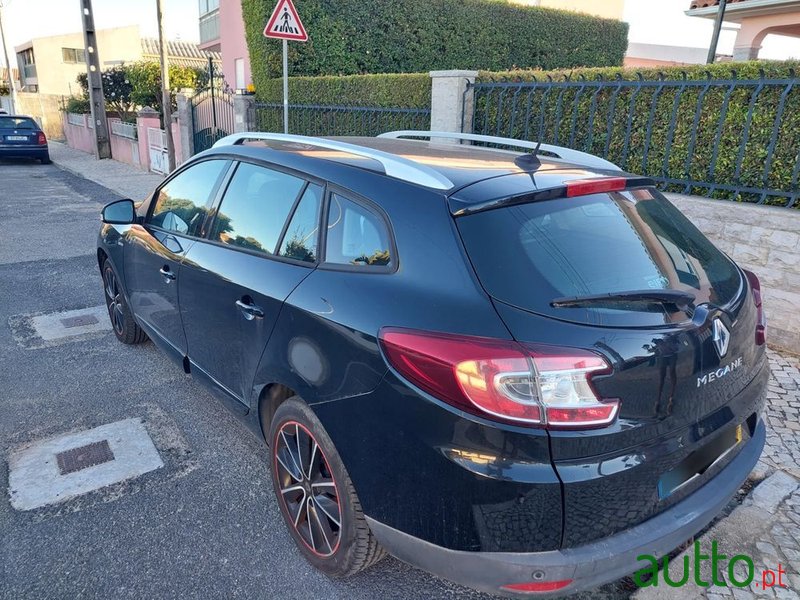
(652, 21)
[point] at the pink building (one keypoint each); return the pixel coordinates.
(222, 30)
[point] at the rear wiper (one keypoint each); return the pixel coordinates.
(680, 299)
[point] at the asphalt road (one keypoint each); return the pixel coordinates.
(206, 525)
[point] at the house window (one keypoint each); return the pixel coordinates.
(73, 55)
(207, 6)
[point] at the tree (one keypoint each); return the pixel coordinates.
(4, 90)
(145, 77)
(117, 91)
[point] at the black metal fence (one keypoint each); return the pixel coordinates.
(212, 117)
(329, 120)
(733, 138)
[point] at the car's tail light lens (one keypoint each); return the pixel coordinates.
(41, 139)
(526, 384)
(537, 587)
(761, 318)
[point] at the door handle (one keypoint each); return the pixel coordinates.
(168, 275)
(250, 311)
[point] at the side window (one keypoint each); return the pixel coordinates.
(183, 203)
(255, 208)
(300, 239)
(356, 235)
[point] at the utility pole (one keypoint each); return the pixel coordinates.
(11, 89)
(96, 98)
(166, 97)
(712, 51)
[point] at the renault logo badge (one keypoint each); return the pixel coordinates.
(722, 337)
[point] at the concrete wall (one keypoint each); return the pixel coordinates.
(46, 109)
(766, 241)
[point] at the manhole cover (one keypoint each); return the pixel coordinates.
(84, 457)
(79, 321)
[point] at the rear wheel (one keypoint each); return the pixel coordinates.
(45, 160)
(316, 496)
(122, 321)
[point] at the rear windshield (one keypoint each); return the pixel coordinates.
(17, 123)
(530, 254)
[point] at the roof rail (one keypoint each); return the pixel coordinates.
(393, 166)
(566, 154)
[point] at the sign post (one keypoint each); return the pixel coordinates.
(285, 25)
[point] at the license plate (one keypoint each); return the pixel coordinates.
(17, 138)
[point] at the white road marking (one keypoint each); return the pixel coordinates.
(34, 479)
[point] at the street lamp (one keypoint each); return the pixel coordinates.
(11, 88)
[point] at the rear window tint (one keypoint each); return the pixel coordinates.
(530, 254)
(17, 123)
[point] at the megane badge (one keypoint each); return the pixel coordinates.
(721, 337)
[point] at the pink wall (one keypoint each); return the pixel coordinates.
(232, 41)
(80, 138)
(176, 139)
(124, 149)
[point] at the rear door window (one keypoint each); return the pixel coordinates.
(357, 236)
(300, 240)
(255, 208)
(530, 254)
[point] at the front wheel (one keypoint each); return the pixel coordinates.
(315, 494)
(122, 321)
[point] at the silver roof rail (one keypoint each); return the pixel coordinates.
(393, 165)
(566, 154)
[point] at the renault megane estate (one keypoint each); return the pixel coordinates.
(518, 372)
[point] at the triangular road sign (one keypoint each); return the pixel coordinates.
(285, 23)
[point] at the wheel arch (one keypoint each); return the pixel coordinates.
(271, 397)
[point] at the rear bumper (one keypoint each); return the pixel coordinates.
(590, 565)
(24, 151)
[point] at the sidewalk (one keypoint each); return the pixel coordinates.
(126, 180)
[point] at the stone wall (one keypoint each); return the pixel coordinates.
(764, 240)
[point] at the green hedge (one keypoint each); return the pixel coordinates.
(350, 37)
(508, 118)
(408, 90)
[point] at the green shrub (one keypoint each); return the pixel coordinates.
(4, 89)
(348, 37)
(77, 105)
(683, 151)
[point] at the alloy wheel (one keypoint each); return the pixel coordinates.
(307, 488)
(114, 301)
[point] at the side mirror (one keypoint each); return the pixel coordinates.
(120, 212)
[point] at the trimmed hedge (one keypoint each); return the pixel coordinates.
(350, 37)
(407, 90)
(632, 113)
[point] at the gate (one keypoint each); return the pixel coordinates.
(212, 117)
(157, 148)
(723, 138)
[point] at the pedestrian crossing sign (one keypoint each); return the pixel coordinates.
(285, 23)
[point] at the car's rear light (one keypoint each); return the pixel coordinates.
(583, 187)
(761, 318)
(525, 384)
(41, 139)
(537, 587)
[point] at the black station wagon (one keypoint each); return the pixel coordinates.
(519, 372)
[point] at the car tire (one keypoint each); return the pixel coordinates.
(338, 552)
(122, 321)
(45, 160)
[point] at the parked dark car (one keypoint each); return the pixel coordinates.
(21, 137)
(517, 372)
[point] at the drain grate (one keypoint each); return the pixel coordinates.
(79, 321)
(82, 457)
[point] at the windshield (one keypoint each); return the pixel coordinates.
(17, 123)
(530, 254)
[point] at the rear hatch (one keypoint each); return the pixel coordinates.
(687, 373)
(18, 131)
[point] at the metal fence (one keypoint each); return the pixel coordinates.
(212, 117)
(729, 138)
(122, 129)
(330, 120)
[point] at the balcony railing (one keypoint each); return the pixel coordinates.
(209, 27)
(29, 71)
